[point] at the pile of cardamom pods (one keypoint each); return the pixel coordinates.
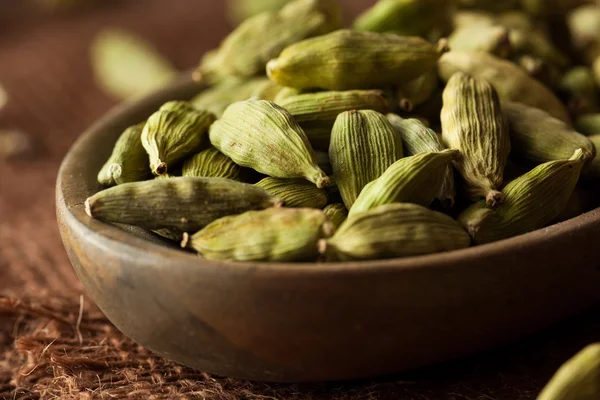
(429, 126)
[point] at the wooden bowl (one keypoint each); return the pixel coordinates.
(315, 322)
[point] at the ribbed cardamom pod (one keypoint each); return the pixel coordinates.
(247, 49)
(510, 81)
(363, 145)
(531, 201)
(480, 37)
(588, 124)
(414, 93)
(166, 176)
(584, 26)
(261, 135)
(394, 230)
(348, 59)
(407, 17)
(173, 133)
(577, 379)
(179, 106)
(286, 92)
(337, 213)
(128, 161)
(217, 98)
(416, 179)
(488, 5)
(472, 122)
(316, 112)
(283, 234)
(211, 163)
(416, 139)
(183, 203)
(579, 87)
(537, 137)
(297, 193)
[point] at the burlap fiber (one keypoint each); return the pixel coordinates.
(54, 344)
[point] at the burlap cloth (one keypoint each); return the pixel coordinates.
(53, 342)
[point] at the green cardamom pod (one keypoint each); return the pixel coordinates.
(178, 106)
(283, 234)
(247, 49)
(473, 122)
(416, 179)
(577, 379)
(394, 230)
(348, 59)
(316, 112)
(166, 176)
(416, 92)
(240, 10)
(128, 161)
(183, 203)
(363, 145)
(297, 193)
(579, 87)
(537, 137)
(337, 213)
(173, 133)
(479, 37)
(211, 163)
(588, 124)
(261, 135)
(462, 18)
(509, 80)
(531, 201)
(584, 26)
(230, 90)
(416, 139)
(407, 17)
(286, 92)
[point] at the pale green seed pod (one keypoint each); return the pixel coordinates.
(211, 163)
(577, 379)
(363, 145)
(286, 92)
(247, 49)
(316, 112)
(183, 203)
(510, 81)
(173, 133)
(297, 193)
(261, 135)
(537, 137)
(416, 92)
(337, 213)
(579, 87)
(416, 139)
(240, 10)
(416, 179)
(394, 230)
(407, 17)
(284, 234)
(348, 59)
(588, 124)
(492, 39)
(178, 106)
(488, 5)
(584, 26)
(217, 98)
(531, 201)
(166, 176)
(128, 161)
(473, 122)
(462, 18)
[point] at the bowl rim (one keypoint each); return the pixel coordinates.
(113, 235)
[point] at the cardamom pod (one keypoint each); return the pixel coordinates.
(286, 92)
(337, 213)
(211, 163)
(347, 59)
(316, 112)
(416, 92)
(535, 42)
(407, 17)
(260, 134)
(283, 234)
(174, 132)
(363, 145)
(531, 201)
(183, 203)
(239, 10)
(472, 122)
(510, 81)
(394, 230)
(480, 37)
(247, 49)
(128, 161)
(577, 379)
(584, 26)
(537, 137)
(230, 90)
(579, 88)
(588, 124)
(462, 18)
(297, 193)
(417, 139)
(416, 179)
